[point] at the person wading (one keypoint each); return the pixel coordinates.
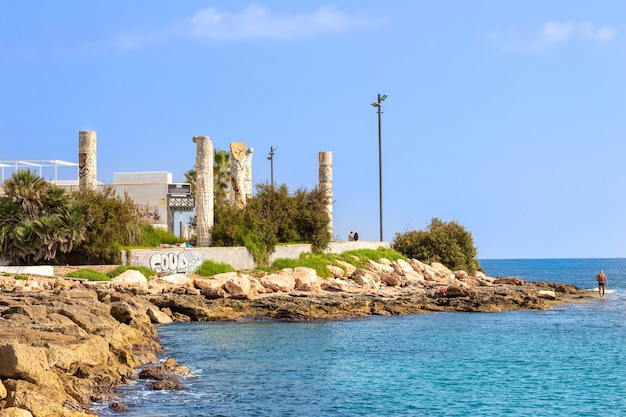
(602, 283)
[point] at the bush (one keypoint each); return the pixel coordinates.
(447, 243)
(114, 222)
(153, 236)
(273, 216)
(147, 272)
(210, 268)
(21, 277)
(88, 274)
(305, 260)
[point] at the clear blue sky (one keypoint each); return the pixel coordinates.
(506, 116)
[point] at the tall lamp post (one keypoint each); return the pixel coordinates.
(378, 105)
(271, 159)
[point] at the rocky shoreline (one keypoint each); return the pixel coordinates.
(66, 344)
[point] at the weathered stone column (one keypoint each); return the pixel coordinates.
(248, 173)
(326, 184)
(204, 190)
(240, 173)
(87, 173)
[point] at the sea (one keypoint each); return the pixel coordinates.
(567, 361)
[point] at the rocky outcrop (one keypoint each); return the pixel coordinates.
(65, 344)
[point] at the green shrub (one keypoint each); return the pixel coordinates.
(22, 277)
(210, 268)
(147, 272)
(88, 274)
(447, 243)
(153, 236)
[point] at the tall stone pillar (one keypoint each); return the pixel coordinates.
(326, 184)
(248, 173)
(87, 173)
(240, 173)
(204, 190)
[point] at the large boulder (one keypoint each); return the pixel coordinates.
(238, 286)
(42, 402)
(379, 267)
(15, 412)
(279, 282)
(130, 276)
(336, 271)
(304, 277)
(176, 279)
(28, 363)
(348, 266)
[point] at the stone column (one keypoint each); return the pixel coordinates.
(240, 173)
(326, 184)
(248, 173)
(204, 190)
(87, 174)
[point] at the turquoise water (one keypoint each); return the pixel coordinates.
(567, 361)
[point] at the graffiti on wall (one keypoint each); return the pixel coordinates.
(174, 262)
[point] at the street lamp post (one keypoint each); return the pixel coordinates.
(377, 104)
(271, 159)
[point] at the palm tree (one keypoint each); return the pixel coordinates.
(221, 175)
(37, 219)
(27, 189)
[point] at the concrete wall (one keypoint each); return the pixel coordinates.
(188, 260)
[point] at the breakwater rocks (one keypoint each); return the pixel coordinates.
(65, 344)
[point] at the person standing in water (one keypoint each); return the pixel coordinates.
(602, 283)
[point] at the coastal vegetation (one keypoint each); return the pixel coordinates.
(448, 243)
(210, 268)
(42, 223)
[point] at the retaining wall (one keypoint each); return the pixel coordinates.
(187, 260)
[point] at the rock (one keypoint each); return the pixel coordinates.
(348, 266)
(390, 279)
(335, 285)
(130, 276)
(256, 287)
(459, 291)
(157, 316)
(165, 385)
(460, 274)
(279, 282)
(378, 267)
(238, 286)
(175, 279)
(507, 281)
(118, 406)
(3, 391)
(304, 277)
(368, 275)
(15, 412)
(550, 295)
(23, 394)
(32, 312)
(336, 271)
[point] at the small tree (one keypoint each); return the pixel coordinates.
(114, 221)
(447, 243)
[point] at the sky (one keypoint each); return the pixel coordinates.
(507, 117)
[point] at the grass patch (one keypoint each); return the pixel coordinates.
(210, 268)
(308, 260)
(88, 274)
(360, 256)
(147, 272)
(21, 277)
